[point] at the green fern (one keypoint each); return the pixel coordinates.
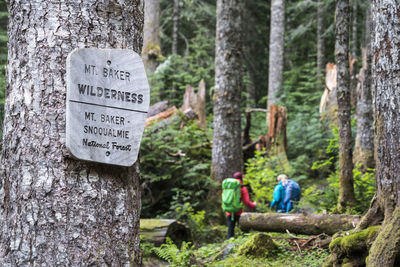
(174, 256)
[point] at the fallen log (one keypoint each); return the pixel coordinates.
(157, 108)
(161, 116)
(156, 231)
(308, 224)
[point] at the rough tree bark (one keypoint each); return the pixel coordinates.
(308, 224)
(346, 190)
(227, 145)
(151, 35)
(354, 47)
(276, 49)
(55, 210)
(385, 250)
(364, 146)
(354, 53)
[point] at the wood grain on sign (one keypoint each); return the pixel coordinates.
(108, 98)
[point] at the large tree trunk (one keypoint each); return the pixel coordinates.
(364, 147)
(56, 210)
(385, 250)
(346, 190)
(308, 224)
(227, 145)
(151, 35)
(276, 49)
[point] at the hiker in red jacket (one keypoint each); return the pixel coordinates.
(244, 197)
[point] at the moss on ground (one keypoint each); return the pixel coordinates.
(259, 245)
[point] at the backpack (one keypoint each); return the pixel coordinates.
(231, 195)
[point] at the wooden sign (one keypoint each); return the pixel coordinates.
(108, 98)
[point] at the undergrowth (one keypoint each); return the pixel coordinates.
(213, 254)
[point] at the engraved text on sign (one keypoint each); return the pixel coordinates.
(108, 98)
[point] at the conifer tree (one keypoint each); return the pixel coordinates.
(56, 210)
(346, 190)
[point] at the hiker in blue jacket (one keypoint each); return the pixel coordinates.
(292, 192)
(278, 197)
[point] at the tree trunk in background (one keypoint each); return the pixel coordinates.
(55, 210)
(364, 147)
(227, 145)
(151, 35)
(346, 191)
(354, 27)
(385, 250)
(354, 54)
(276, 48)
(320, 41)
(175, 27)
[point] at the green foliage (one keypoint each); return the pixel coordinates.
(196, 49)
(196, 220)
(261, 174)
(175, 72)
(195, 16)
(147, 249)
(325, 197)
(175, 166)
(301, 24)
(208, 255)
(364, 188)
(305, 132)
(176, 257)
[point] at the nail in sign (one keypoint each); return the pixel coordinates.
(108, 98)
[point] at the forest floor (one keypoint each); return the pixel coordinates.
(290, 251)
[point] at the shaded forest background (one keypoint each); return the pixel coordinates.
(175, 159)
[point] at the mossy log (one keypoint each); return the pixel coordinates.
(351, 248)
(309, 224)
(156, 231)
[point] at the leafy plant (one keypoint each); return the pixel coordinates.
(325, 197)
(176, 257)
(175, 166)
(196, 220)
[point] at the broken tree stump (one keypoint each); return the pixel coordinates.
(156, 231)
(308, 224)
(275, 141)
(328, 103)
(196, 102)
